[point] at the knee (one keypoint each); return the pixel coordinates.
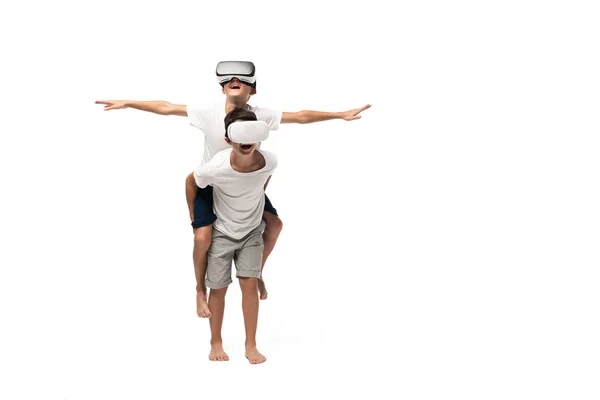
(249, 285)
(189, 180)
(202, 238)
(218, 293)
(273, 226)
(190, 184)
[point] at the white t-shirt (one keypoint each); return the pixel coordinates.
(239, 197)
(212, 122)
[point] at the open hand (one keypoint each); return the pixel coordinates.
(112, 104)
(351, 115)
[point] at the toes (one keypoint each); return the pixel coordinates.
(218, 357)
(257, 359)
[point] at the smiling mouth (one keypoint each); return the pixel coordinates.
(246, 146)
(234, 86)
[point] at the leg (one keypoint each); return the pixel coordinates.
(249, 288)
(248, 262)
(272, 230)
(216, 302)
(202, 240)
(202, 224)
(191, 191)
(218, 279)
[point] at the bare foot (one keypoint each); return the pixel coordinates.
(202, 306)
(254, 356)
(262, 289)
(217, 353)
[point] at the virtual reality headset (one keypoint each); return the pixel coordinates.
(248, 132)
(243, 70)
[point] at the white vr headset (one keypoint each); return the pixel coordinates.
(248, 132)
(243, 70)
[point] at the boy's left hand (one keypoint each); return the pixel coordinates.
(351, 115)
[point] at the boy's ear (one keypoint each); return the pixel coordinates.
(227, 140)
(253, 92)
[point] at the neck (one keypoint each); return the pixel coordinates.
(244, 163)
(231, 104)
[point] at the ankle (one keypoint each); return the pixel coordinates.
(216, 341)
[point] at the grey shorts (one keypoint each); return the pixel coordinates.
(246, 252)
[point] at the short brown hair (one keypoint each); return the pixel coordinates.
(238, 114)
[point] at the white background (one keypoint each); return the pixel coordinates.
(445, 246)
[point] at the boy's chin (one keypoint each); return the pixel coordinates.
(237, 94)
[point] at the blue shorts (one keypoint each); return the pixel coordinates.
(203, 208)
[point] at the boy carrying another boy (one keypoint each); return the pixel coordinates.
(238, 176)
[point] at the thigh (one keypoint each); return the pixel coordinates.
(248, 259)
(219, 259)
(203, 208)
(269, 206)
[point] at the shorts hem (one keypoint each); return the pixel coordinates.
(218, 285)
(203, 222)
(248, 274)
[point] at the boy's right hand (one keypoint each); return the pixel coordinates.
(112, 104)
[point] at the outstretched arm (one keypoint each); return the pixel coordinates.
(307, 116)
(157, 107)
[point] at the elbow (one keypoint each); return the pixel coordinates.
(302, 118)
(165, 108)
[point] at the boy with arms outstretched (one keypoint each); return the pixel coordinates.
(238, 82)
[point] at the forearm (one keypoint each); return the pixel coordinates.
(309, 116)
(157, 107)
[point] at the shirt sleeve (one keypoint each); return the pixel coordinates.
(271, 116)
(204, 175)
(271, 160)
(199, 116)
